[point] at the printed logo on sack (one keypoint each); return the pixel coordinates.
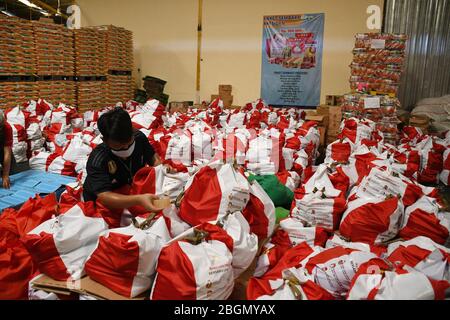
(374, 20)
(374, 270)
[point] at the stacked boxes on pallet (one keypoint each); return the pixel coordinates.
(90, 52)
(90, 94)
(119, 88)
(54, 48)
(15, 93)
(17, 54)
(58, 91)
(119, 63)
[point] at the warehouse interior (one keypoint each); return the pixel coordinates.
(225, 150)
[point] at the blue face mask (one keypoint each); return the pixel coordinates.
(125, 153)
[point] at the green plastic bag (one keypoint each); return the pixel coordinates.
(281, 195)
(281, 213)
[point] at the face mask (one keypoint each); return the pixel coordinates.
(124, 153)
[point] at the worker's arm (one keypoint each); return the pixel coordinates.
(114, 200)
(6, 167)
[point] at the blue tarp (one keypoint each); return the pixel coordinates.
(27, 184)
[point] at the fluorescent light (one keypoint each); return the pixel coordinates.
(9, 14)
(30, 4)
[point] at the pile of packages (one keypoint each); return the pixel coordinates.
(377, 62)
(54, 48)
(17, 55)
(14, 93)
(90, 51)
(363, 227)
(90, 94)
(119, 47)
(120, 87)
(376, 70)
(359, 226)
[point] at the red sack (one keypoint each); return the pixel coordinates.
(260, 212)
(16, 270)
(195, 270)
(424, 218)
(292, 258)
(372, 221)
(15, 224)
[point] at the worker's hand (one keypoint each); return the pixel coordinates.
(146, 201)
(6, 182)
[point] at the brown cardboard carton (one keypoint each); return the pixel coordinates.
(85, 286)
(214, 97)
(323, 132)
(225, 89)
(320, 119)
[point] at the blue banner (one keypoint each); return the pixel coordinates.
(292, 60)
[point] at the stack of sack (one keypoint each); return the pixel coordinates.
(362, 225)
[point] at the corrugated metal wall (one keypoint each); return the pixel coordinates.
(427, 23)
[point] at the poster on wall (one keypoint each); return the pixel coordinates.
(292, 59)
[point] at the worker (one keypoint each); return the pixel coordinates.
(6, 156)
(114, 163)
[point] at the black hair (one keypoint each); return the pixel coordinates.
(116, 125)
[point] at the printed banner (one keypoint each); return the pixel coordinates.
(292, 60)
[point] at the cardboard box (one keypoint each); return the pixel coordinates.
(323, 134)
(225, 89)
(320, 119)
(178, 106)
(85, 286)
(334, 100)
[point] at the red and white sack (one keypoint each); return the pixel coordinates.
(179, 149)
(245, 243)
(337, 241)
(261, 285)
(423, 255)
(318, 202)
(202, 145)
(190, 270)
(237, 120)
(260, 212)
(177, 225)
(333, 269)
(17, 116)
(425, 218)
(290, 179)
(214, 191)
(445, 173)
(295, 284)
(297, 233)
(431, 163)
(143, 120)
(53, 163)
(34, 131)
(125, 258)
(381, 183)
(157, 181)
(372, 220)
(375, 281)
(60, 246)
(76, 150)
(339, 151)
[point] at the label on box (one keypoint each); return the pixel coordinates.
(372, 103)
(378, 44)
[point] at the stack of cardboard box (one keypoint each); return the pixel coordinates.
(90, 94)
(16, 93)
(120, 89)
(17, 52)
(90, 52)
(119, 47)
(225, 95)
(334, 115)
(54, 48)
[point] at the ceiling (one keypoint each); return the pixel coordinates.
(23, 11)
